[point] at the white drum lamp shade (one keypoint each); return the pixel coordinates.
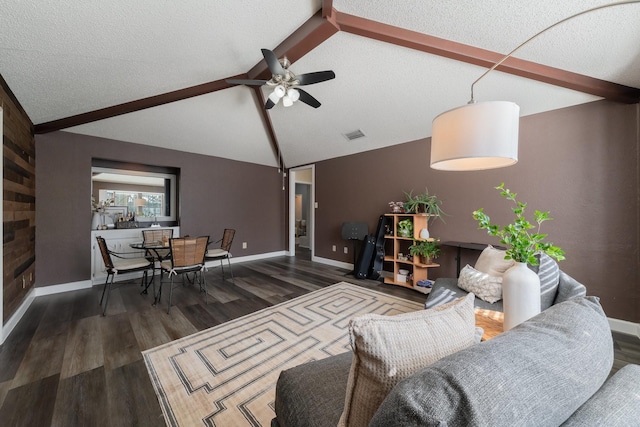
(476, 136)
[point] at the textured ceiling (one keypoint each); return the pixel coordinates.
(62, 59)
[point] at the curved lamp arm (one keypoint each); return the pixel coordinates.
(543, 31)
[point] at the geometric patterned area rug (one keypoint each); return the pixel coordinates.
(226, 375)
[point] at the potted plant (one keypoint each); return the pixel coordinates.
(521, 243)
(424, 203)
(405, 228)
(427, 249)
(520, 285)
(397, 207)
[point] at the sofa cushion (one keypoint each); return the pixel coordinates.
(492, 262)
(387, 349)
(619, 392)
(486, 287)
(312, 394)
(535, 374)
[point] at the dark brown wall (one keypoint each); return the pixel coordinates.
(581, 163)
(19, 204)
(215, 194)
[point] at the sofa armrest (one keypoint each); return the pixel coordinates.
(569, 288)
(616, 403)
(312, 394)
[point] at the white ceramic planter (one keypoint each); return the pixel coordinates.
(520, 295)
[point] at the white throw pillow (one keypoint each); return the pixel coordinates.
(387, 349)
(492, 262)
(485, 286)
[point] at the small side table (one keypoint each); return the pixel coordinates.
(491, 321)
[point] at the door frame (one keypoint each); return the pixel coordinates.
(311, 224)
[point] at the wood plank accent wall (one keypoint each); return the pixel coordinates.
(19, 202)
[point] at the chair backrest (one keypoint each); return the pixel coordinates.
(106, 256)
(227, 239)
(154, 236)
(188, 251)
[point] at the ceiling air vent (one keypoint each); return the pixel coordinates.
(356, 134)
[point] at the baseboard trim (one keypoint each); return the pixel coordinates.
(333, 263)
(64, 287)
(238, 260)
(8, 327)
(15, 317)
(624, 327)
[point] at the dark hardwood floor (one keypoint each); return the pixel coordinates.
(67, 365)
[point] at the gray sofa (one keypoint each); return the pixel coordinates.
(550, 370)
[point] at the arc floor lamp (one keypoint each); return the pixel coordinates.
(484, 135)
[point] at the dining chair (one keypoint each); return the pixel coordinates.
(158, 236)
(157, 255)
(119, 264)
(223, 252)
(187, 256)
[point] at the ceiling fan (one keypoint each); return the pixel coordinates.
(286, 83)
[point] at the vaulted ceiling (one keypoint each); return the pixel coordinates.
(154, 72)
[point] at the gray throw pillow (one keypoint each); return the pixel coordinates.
(549, 274)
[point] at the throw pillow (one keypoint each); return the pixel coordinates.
(486, 287)
(492, 262)
(442, 295)
(387, 349)
(549, 273)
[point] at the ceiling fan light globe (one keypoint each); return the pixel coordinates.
(274, 98)
(279, 91)
(293, 94)
(287, 101)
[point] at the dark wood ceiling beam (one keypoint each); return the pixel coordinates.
(140, 104)
(327, 8)
(312, 33)
(485, 58)
(268, 124)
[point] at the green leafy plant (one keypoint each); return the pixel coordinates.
(522, 244)
(426, 248)
(405, 228)
(424, 203)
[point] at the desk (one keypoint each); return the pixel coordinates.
(467, 245)
(491, 321)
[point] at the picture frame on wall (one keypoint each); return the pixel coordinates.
(116, 212)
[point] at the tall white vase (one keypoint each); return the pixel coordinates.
(520, 295)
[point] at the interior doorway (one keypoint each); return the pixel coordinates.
(301, 210)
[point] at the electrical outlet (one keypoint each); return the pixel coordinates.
(244, 245)
(346, 249)
(333, 248)
(24, 282)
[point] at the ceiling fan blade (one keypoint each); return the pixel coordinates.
(272, 61)
(317, 77)
(247, 82)
(269, 104)
(308, 99)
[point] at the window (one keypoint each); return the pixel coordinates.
(149, 195)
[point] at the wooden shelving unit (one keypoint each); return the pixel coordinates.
(396, 245)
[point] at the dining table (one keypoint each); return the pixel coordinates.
(159, 251)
